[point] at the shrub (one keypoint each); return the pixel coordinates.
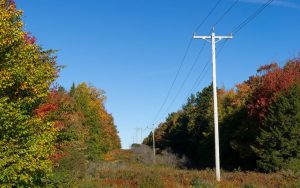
(150, 181)
(168, 158)
(144, 154)
(248, 186)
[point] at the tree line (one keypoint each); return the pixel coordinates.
(47, 135)
(259, 123)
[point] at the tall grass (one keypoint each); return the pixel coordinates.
(121, 170)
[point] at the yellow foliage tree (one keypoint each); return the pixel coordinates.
(26, 73)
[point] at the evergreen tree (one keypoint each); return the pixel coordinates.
(279, 141)
(72, 89)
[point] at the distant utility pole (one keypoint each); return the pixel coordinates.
(153, 141)
(141, 135)
(213, 42)
(136, 134)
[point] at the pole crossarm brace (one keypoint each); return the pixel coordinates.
(213, 39)
(212, 36)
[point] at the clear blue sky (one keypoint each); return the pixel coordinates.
(132, 48)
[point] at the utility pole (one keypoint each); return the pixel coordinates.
(136, 134)
(213, 40)
(153, 141)
(132, 140)
(141, 136)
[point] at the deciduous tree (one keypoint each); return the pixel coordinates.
(26, 73)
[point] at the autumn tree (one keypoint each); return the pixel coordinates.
(26, 73)
(102, 131)
(69, 159)
(85, 130)
(247, 117)
(271, 80)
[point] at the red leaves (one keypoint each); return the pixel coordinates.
(48, 107)
(29, 39)
(268, 68)
(44, 109)
(57, 156)
(273, 81)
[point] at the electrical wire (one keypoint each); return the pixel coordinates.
(226, 12)
(193, 65)
(183, 59)
(205, 69)
(200, 77)
(208, 15)
(251, 17)
(187, 77)
(174, 80)
(235, 30)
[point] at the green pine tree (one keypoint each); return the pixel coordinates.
(279, 142)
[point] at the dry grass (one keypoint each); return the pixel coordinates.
(120, 171)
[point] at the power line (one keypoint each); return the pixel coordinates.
(237, 29)
(199, 53)
(234, 31)
(207, 16)
(186, 78)
(251, 17)
(212, 37)
(201, 75)
(183, 59)
(174, 80)
(205, 70)
(193, 65)
(226, 12)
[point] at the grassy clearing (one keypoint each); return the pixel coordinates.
(120, 171)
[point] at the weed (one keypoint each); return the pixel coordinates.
(150, 181)
(249, 186)
(197, 183)
(127, 173)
